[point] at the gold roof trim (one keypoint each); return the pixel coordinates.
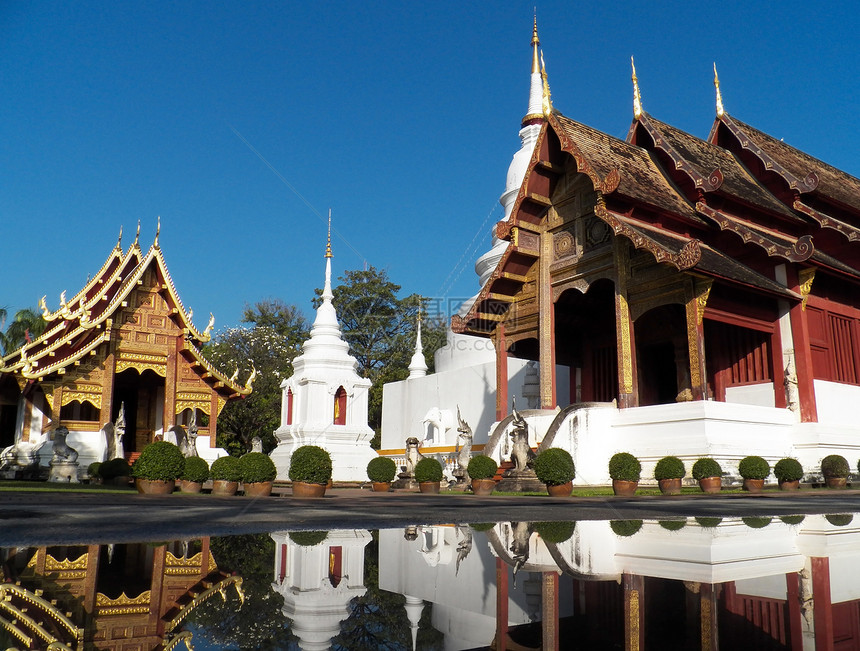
(228, 382)
(637, 97)
(208, 593)
(7, 590)
(720, 109)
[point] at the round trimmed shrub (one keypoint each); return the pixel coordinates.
(554, 532)
(93, 469)
(788, 470)
(428, 469)
(673, 525)
(839, 519)
(624, 466)
(482, 467)
(835, 465)
(706, 467)
(308, 538)
(257, 467)
(226, 469)
(310, 464)
(709, 523)
(625, 528)
(554, 467)
(792, 519)
(381, 469)
(195, 469)
(115, 468)
(159, 461)
(754, 467)
(756, 522)
(669, 468)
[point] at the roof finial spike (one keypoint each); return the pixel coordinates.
(157, 232)
(720, 109)
(137, 235)
(119, 239)
(637, 98)
(328, 241)
(547, 96)
(535, 46)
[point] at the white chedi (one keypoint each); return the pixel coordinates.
(324, 402)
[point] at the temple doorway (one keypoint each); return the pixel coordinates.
(143, 396)
(662, 356)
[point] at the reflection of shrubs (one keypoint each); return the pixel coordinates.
(308, 538)
(756, 522)
(482, 526)
(788, 470)
(669, 468)
(792, 519)
(709, 523)
(623, 466)
(706, 467)
(554, 532)
(673, 525)
(839, 519)
(754, 467)
(625, 528)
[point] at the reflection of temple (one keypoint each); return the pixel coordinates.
(124, 339)
(318, 581)
(119, 597)
(753, 583)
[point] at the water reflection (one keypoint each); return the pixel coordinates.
(690, 583)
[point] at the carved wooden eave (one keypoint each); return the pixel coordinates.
(217, 380)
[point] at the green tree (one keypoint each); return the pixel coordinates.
(380, 329)
(269, 339)
(25, 326)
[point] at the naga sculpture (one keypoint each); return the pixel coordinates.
(521, 453)
(463, 452)
(191, 441)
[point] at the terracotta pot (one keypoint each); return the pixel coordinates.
(155, 486)
(304, 489)
(258, 489)
(223, 487)
(670, 486)
(753, 485)
(562, 490)
(187, 486)
(381, 486)
(431, 487)
(711, 484)
(835, 482)
(624, 487)
(483, 486)
(120, 481)
(789, 485)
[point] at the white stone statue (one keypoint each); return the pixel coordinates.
(19, 456)
(521, 453)
(191, 441)
(437, 422)
(463, 452)
(113, 434)
(257, 444)
(64, 461)
(413, 456)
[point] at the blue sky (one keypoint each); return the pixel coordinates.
(400, 118)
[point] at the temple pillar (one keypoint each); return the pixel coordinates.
(501, 605)
(57, 404)
(625, 340)
(213, 419)
(801, 282)
(159, 556)
(549, 600)
(168, 418)
(634, 638)
(501, 373)
(91, 578)
(546, 325)
(708, 617)
(822, 608)
(106, 413)
(795, 614)
(697, 299)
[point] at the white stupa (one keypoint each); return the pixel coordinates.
(324, 402)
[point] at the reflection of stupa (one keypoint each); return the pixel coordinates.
(318, 581)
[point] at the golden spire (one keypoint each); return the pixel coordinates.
(637, 98)
(119, 239)
(720, 109)
(137, 235)
(328, 241)
(535, 46)
(547, 97)
(157, 232)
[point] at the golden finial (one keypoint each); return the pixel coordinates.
(119, 239)
(637, 98)
(137, 235)
(535, 45)
(328, 242)
(157, 232)
(720, 109)
(547, 97)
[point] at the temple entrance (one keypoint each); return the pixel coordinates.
(662, 356)
(585, 342)
(143, 396)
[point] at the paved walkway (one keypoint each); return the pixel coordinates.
(41, 518)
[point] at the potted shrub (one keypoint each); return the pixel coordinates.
(835, 469)
(195, 472)
(310, 471)
(157, 468)
(381, 471)
(754, 470)
(428, 474)
(669, 472)
(258, 473)
(93, 472)
(554, 467)
(625, 470)
(788, 473)
(709, 475)
(226, 473)
(116, 472)
(482, 469)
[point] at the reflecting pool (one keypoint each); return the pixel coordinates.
(790, 582)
